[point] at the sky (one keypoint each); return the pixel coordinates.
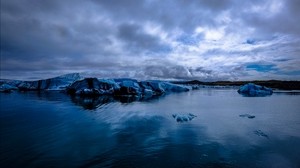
(207, 40)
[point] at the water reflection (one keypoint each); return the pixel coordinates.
(260, 133)
(95, 102)
(153, 141)
(39, 129)
(87, 102)
(91, 103)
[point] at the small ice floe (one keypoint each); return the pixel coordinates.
(260, 133)
(247, 115)
(183, 117)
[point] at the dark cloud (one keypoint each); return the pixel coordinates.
(214, 5)
(169, 72)
(196, 39)
(274, 16)
(137, 40)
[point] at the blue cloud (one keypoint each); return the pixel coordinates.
(289, 73)
(188, 39)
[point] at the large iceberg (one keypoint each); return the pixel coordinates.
(123, 87)
(129, 87)
(251, 89)
(74, 84)
(92, 87)
(57, 83)
(7, 88)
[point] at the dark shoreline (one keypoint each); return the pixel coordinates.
(274, 84)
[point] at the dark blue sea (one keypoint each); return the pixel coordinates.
(52, 129)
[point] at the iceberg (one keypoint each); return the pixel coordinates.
(148, 93)
(61, 82)
(247, 115)
(6, 88)
(91, 87)
(129, 87)
(164, 87)
(183, 117)
(169, 87)
(251, 89)
(57, 83)
(123, 87)
(74, 84)
(10, 82)
(148, 88)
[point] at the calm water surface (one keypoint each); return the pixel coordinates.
(55, 130)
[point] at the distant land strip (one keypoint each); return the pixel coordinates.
(274, 84)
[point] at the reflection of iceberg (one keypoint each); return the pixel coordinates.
(183, 117)
(94, 102)
(91, 103)
(260, 133)
(127, 99)
(251, 89)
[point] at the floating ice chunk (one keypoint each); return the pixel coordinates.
(251, 89)
(183, 117)
(247, 115)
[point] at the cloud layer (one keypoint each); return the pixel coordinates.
(151, 39)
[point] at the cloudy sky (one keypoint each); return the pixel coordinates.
(151, 39)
